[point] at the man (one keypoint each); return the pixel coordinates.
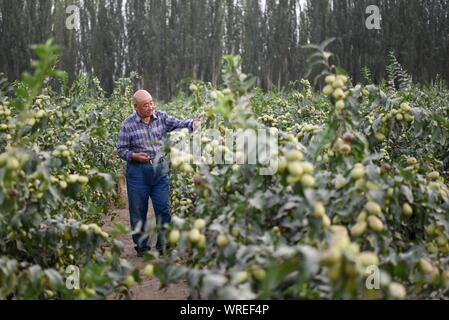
(140, 143)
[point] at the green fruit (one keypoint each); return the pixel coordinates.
(441, 240)
(31, 122)
(430, 229)
(359, 229)
(334, 272)
(294, 155)
(62, 184)
(130, 281)
(282, 165)
(319, 211)
(174, 237)
(330, 257)
(330, 79)
(50, 294)
(328, 90)
(222, 241)
(360, 184)
(326, 221)
(12, 164)
(202, 242)
(194, 236)
(351, 269)
(399, 117)
(291, 180)
(199, 224)
(295, 168)
(371, 186)
(307, 167)
(259, 274)
(362, 216)
(148, 271)
(432, 248)
(235, 232)
(277, 231)
(435, 185)
(83, 180)
(405, 107)
(338, 84)
(379, 136)
(40, 114)
(307, 181)
(390, 192)
(407, 210)
(426, 266)
(434, 175)
(354, 249)
(358, 172)
(82, 295)
(342, 78)
(227, 91)
(412, 161)
(3, 159)
(373, 208)
(242, 276)
(367, 259)
(90, 292)
(187, 168)
(375, 224)
(72, 178)
(339, 94)
(214, 95)
(193, 88)
(397, 290)
(340, 182)
(446, 277)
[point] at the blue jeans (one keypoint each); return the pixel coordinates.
(144, 181)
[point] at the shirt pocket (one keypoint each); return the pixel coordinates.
(139, 139)
(159, 135)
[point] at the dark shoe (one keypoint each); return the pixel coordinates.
(141, 251)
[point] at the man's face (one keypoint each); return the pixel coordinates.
(145, 108)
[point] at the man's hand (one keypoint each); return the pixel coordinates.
(141, 157)
(197, 123)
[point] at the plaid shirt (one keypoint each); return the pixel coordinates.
(138, 137)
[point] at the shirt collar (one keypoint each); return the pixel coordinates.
(138, 119)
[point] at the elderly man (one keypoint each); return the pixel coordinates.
(140, 143)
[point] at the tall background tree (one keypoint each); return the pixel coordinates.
(166, 41)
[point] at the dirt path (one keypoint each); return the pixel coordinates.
(149, 288)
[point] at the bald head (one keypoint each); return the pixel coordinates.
(143, 103)
(141, 96)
